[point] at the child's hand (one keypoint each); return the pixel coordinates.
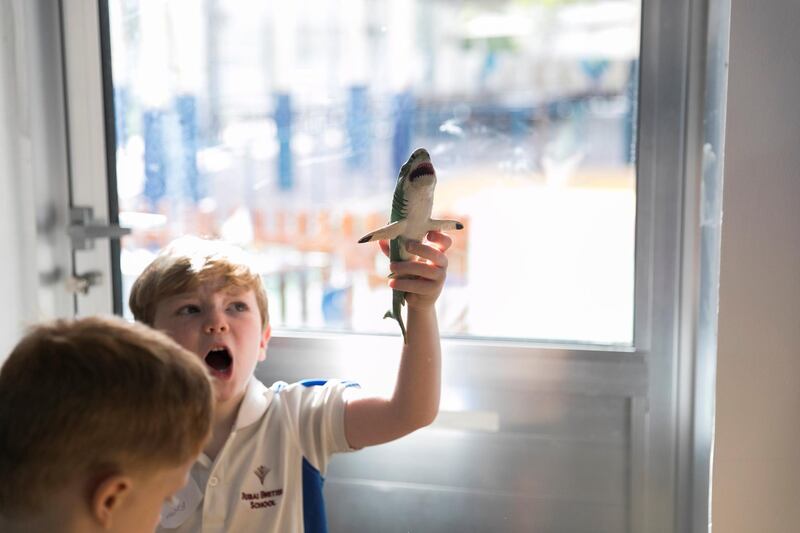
(427, 273)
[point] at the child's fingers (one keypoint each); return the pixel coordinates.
(443, 241)
(429, 251)
(384, 244)
(418, 269)
(415, 286)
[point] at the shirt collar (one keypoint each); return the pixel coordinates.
(256, 399)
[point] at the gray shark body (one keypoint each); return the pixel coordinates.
(410, 219)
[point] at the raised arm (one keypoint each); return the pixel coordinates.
(415, 401)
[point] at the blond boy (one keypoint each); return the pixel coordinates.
(262, 469)
(100, 421)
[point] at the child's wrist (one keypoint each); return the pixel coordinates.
(423, 308)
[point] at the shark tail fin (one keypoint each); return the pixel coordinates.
(398, 300)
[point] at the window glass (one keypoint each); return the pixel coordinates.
(281, 126)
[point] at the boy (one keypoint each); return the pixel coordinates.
(262, 469)
(100, 421)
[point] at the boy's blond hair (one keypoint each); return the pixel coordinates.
(185, 264)
(81, 399)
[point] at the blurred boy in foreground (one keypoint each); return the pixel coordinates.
(100, 421)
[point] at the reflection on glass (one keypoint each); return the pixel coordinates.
(282, 126)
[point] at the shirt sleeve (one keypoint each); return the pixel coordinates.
(315, 409)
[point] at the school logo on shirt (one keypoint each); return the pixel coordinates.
(261, 472)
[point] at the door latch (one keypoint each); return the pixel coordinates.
(80, 283)
(84, 229)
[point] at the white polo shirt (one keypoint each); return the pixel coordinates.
(269, 474)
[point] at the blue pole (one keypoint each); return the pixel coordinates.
(403, 127)
(186, 107)
(358, 126)
(155, 167)
(283, 124)
(518, 118)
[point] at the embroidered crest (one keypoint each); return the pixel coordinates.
(261, 472)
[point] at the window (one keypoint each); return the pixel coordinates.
(282, 127)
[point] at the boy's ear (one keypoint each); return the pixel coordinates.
(108, 496)
(264, 340)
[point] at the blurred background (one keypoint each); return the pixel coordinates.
(282, 127)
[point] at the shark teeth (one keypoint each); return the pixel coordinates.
(423, 169)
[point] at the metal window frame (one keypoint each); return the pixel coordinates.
(668, 403)
(89, 146)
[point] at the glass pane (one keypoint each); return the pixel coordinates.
(282, 127)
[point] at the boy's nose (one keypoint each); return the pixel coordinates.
(216, 324)
(216, 327)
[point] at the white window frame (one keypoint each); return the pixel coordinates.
(664, 376)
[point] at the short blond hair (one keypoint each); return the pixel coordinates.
(94, 396)
(184, 265)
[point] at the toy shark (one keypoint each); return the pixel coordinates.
(411, 218)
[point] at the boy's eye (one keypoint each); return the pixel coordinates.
(188, 309)
(240, 306)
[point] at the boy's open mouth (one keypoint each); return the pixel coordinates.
(219, 361)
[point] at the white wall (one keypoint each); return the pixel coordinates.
(756, 479)
(14, 306)
(33, 169)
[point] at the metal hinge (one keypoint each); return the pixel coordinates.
(84, 228)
